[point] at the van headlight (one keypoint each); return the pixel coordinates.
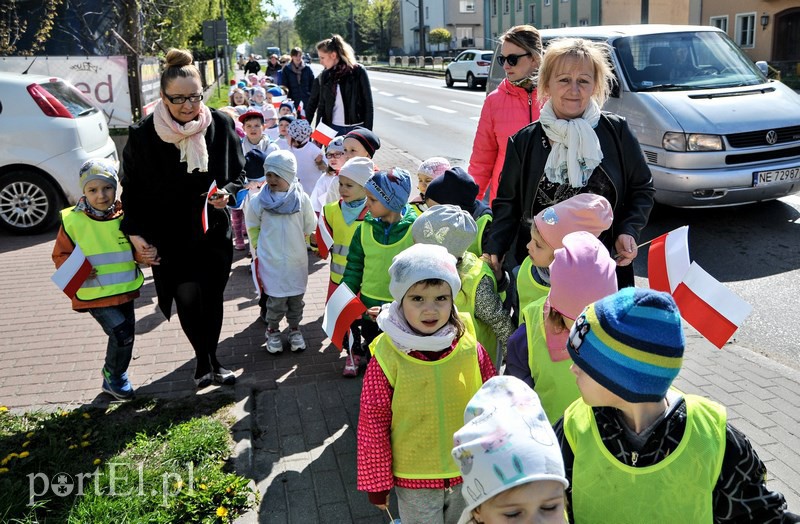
(691, 142)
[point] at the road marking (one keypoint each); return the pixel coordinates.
(475, 118)
(414, 119)
(793, 200)
(442, 109)
(384, 93)
(373, 88)
(408, 100)
(467, 104)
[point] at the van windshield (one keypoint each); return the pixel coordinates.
(691, 60)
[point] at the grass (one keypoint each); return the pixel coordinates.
(148, 460)
(218, 98)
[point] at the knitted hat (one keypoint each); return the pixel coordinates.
(269, 112)
(456, 187)
(287, 118)
(241, 84)
(336, 146)
(631, 343)
(254, 165)
(581, 273)
(433, 167)
(420, 262)
(583, 212)
(275, 91)
(445, 225)
(251, 113)
(391, 188)
(506, 441)
(98, 169)
(283, 164)
(358, 169)
(256, 90)
(287, 103)
(367, 138)
(300, 130)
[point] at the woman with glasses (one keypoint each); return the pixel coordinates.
(507, 109)
(170, 161)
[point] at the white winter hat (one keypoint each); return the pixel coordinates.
(283, 164)
(421, 262)
(358, 169)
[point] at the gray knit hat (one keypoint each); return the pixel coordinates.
(283, 164)
(445, 225)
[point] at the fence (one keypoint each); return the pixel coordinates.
(420, 62)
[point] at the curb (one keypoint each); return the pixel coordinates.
(407, 71)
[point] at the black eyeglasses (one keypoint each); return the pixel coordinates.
(512, 59)
(178, 100)
(334, 155)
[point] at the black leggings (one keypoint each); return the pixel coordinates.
(200, 315)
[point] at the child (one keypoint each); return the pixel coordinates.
(385, 232)
(271, 93)
(457, 187)
(112, 286)
(239, 101)
(277, 221)
(286, 108)
(327, 187)
(581, 273)
(283, 132)
(361, 142)
(427, 366)
(257, 96)
(455, 229)
(254, 171)
(509, 458)
(636, 450)
(429, 169)
(270, 122)
(254, 137)
(310, 163)
(583, 212)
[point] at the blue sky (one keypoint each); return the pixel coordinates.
(287, 7)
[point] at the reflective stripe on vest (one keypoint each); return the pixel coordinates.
(553, 381)
(471, 271)
(342, 235)
(528, 290)
(109, 252)
(477, 245)
(605, 490)
(436, 392)
(377, 259)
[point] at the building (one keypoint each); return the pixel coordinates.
(463, 18)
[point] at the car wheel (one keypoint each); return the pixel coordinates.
(471, 84)
(448, 80)
(28, 203)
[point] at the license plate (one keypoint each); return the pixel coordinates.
(776, 176)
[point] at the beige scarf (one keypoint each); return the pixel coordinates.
(189, 138)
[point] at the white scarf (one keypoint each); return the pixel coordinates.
(392, 322)
(576, 149)
(189, 138)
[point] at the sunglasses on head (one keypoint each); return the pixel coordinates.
(512, 59)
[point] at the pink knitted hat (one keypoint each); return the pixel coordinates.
(582, 272)
(583, 212)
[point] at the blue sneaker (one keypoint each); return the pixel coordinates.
(118, 387)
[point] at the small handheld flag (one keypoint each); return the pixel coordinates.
(342, 309)
(211, 191)
(668, 259)
(323, 134)
(72, 273)
(324, 236)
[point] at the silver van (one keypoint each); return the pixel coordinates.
(714, 130)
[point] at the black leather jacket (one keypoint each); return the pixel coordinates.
(622, 177)
(356, 96)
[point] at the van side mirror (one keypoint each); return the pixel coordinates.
(762, 65)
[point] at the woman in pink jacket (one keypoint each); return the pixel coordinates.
(508, 108)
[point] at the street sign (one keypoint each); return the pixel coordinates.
(215, 32)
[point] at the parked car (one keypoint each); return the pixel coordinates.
(48, 129)
(471, 66)
(714, 130)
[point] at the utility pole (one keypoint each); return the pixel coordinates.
(421, 29)
(225, 42)
(352, 27)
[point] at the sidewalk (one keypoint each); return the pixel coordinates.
(296, 424)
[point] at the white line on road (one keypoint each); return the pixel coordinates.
(793, 200)
(414, 119)
(408, 100)
(442, 109)
(475, 118)
(479, 106)
(384, 93)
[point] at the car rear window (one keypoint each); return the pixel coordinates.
(487, 57)
(71, 98)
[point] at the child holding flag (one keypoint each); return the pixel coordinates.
(114, 281)
(427, 366)
(327, 187)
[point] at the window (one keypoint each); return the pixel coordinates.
(519, 5)
(547, 2)
(745, 30)
(506, 6)
(563, 24)
(719, 21)
(467, 6)
(427, 14)
(494, 7)
(564, 1)
(583, 22)
(532, 18)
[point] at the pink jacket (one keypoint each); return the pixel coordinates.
(505, 111)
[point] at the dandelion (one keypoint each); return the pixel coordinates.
(97, 462)
(222, 511)
(4, 461)
(3, 470)
(73, 446)
(178, 485)
(228, 490)
(3, 408)
(63, 413)
(203, 486)
(29, 435)
(26, 443)
(85, 444)
(24, 454)
(86, 415)
(86, 435)
(12, 456)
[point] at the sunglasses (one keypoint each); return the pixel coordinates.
(512, 59)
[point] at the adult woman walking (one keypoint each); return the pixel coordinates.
(343, 97)
(573, 148)
(297, 77)
(507, 109)
(169, 162)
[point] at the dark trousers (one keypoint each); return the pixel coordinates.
(118, 322)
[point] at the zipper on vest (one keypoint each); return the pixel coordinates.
(530, 107)
(634, 458)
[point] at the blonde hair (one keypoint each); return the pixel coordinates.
(596, 52)
(178, 64)
(336, 44)
(238, 90)
(525, 36)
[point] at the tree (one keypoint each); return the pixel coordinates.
(15, 37)
(246, 19)
(379, 17)
(440, 35)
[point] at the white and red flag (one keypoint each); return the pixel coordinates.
(257, 284)
(668, 259)
(301, 111)
(211, 190)
(324, 235)
(710, 307)
(278, 100)
(72, 273)
(323, 134)
(342, 309)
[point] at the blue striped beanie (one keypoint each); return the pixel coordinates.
(631, 343)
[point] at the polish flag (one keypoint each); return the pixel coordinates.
(257, 284)
(72, 273)
(324, 235)
(301, 111)
(710, 307)
(278, 100)
(211, 190)
(668, 260)
(342, 309)
(323, 134)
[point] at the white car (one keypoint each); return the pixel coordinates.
(48, 129)
(471, 66)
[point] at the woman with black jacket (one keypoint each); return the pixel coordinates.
(341, 96)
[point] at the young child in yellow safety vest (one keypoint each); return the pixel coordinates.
(427, 172)
(427, 365)
(455, 229)
(581, 273)
(113, 284)
(636, 450)
(509, 458)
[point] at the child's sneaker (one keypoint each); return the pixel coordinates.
(118, 387)
(239, 246)
(274, 343)
(351, 364)
(296, 340)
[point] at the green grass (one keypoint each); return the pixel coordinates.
(149, 460)
(218, 97)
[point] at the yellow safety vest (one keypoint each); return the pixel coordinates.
(553, 381)
(417, 207)
(342, 235)
(477, 245)
(528, 290)
(109, 252)
(428, 404)
(677, 489)
(377, 259)
(471, 270)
